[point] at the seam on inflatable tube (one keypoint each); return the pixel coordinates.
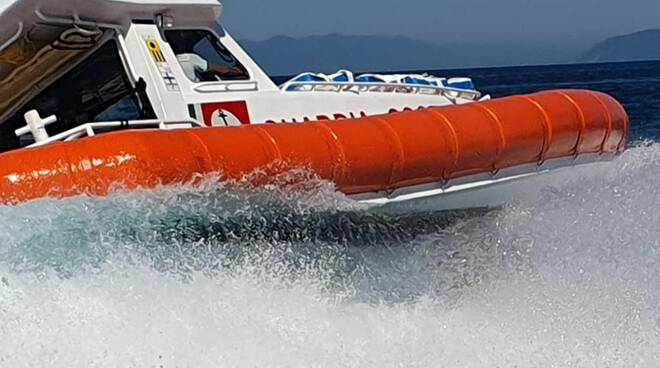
(502, 147)
(449, 171)
(339, 149)
(204, 148)
(547, 127)
(610, 124)
(397, 170)
(272, 143)
(583, 120)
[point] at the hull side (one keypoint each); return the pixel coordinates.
(521, 185)
(367, 155)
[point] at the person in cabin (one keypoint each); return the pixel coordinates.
(203, 58)
(198, 69)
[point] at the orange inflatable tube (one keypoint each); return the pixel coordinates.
(359, 155)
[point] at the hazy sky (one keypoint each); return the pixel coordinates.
(444, 20)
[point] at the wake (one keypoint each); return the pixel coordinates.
(213, 275)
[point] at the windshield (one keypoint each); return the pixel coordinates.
(95, 90)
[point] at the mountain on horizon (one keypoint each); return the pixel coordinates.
(283, 55)
(644, 45)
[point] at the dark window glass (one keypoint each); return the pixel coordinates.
(95, 90)
(203, 57)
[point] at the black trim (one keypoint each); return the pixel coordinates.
(143, 21)
(192, 112)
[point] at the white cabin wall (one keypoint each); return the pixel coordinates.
(168, 105)
(301, 106)
(265, 102)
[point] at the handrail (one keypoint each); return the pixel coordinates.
(226, 86)
(74, 21)
(13, 38)
(359, 87)
(123, 54)
(88, 129)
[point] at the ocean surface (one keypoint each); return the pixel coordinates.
(221, 275)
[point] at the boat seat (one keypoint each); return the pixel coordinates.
(460, 83)
(346, 76)
(342, 76)
(419, 80)
(369, 78)
(311, 77)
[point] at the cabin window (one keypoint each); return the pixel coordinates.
(95, 90)
(203, 57)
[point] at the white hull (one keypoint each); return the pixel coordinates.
(525, 188)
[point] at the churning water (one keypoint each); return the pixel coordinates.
(224, 275)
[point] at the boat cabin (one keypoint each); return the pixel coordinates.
(76, 68)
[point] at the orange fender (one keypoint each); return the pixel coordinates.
(359, 155)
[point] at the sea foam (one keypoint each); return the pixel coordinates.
(218, 275)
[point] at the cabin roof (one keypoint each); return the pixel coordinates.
(90, 5)
(24, 19)
(29, 28)
(100, 11)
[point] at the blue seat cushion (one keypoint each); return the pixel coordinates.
(369, 79)
(462, 83)
(309, 77)
(419, 81)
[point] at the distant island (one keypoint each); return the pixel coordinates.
(283, 55)
(637, 46)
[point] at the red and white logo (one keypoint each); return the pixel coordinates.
(223, 117)
(221, 114)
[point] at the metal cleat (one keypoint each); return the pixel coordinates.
(36, 125)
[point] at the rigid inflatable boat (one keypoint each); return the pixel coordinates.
(103, 94)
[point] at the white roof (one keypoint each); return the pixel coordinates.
(28, 26)
(13, 13)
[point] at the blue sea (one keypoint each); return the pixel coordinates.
(218, 275)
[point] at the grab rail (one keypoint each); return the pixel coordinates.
(88, 129)
(360, 87)
(13, 38)
(74, 20)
